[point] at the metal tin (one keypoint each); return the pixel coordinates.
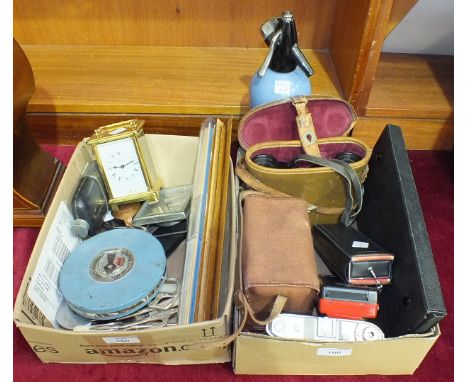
(172, 207)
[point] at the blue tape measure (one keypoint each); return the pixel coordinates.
(113, 274)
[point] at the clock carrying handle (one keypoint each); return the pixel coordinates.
(118, 127)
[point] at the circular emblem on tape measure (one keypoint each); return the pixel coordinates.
(112, 264)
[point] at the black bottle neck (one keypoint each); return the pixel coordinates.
(283, 60)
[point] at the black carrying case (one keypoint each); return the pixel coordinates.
(391, 215)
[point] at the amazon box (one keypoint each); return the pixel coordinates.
(175, 344)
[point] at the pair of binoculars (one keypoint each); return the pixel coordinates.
(267, 160)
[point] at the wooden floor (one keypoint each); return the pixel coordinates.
(79, 88)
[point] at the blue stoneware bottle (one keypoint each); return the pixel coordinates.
(285, 71)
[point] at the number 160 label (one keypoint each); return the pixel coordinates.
(333, 352)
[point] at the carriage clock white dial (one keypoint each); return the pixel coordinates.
(125, 163)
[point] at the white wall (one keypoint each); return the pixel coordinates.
(426, 29)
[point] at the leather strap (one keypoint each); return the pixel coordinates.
(126, 212)
(305, 127)
(245, 310)
(355, 190)
(278, 305)
(253, 182)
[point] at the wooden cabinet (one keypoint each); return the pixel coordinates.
(173, 63)
(36, 174)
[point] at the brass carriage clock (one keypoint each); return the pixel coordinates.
(125, 163)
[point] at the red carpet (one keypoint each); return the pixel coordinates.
(433, 172)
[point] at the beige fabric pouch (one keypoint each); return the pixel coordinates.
(278, 255)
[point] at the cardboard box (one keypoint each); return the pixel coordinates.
(261, 354)
(174, 157)
(255, 353)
